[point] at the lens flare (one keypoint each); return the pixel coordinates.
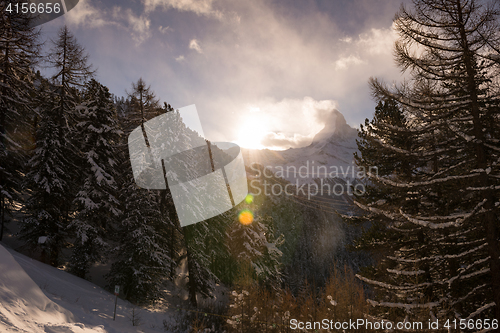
(245, 217)
(249, 199)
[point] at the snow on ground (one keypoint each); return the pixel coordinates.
(35, 297)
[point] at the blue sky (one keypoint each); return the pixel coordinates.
(261, 73)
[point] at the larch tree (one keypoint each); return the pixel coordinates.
(440, 205)
(53, 169)
(19, 52)
(70, 63)
(144, 103)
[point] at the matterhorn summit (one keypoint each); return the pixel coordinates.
(336, 129)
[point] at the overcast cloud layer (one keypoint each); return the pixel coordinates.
(273, 68)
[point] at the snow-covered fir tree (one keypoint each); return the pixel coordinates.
(47, 184)
(201, 279)
(97, 198)
(142, 258)
(53, 167)
(19, 52)
(218, 256)
(255, 247)
(201, 242)
(439, 206)
(143, 255)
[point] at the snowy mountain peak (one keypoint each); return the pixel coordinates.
(335, 128)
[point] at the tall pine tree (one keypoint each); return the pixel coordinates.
(143, 253)
(97, 199)
(256, 250)
(440, 202)
(53, 168)
(47, 184)
(70, 63)
(19, 52)
(142, 258)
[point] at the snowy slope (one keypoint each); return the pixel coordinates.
(35, 297)
(23, 306)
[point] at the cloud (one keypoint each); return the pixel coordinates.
(85, 14)
(139, 25)
(164, 30)
(195, 45)
(280, 141)
(286, 123)
(270, 55)
(378, 41)
(345, 62)
(200, 7)
(347, 40)
(322, 110)
(275, 54)
(294, 122)
(266, 59)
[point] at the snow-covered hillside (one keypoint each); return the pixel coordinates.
(35, 297)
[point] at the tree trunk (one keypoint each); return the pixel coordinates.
(2, 216)
(192, 281)
(3, 116)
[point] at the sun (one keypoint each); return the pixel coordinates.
(252, 131)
